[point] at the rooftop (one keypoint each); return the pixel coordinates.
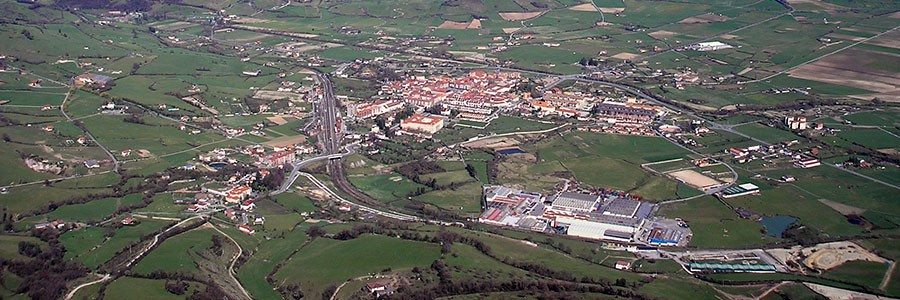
(577, 201)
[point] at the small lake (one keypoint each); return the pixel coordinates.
(217, 165)
(510, 151)
(775, 226)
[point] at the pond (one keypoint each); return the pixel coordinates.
(217, 165)
(510, 151)
(775, 226)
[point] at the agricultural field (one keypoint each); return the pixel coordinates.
(119, 119)
(598, 160)
(716, 226)
(327, 261)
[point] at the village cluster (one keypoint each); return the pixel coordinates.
(479, 97)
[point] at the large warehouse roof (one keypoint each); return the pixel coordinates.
(575, 201)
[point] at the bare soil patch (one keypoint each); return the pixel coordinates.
(611, 10)
(276, 95)
(474, 24)
(626, 56)
(279, 119)
(890, 40)
(503, 142)
(286, 141)
(843, 208)
(851, 68)
(824, 5)
(583, 7)
(846, 37)
(694, 178)
(705, 19)
(520, 16)
(831, 255)
(661, 34)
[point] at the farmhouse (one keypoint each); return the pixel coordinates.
(246, 229)
(91, 79)
(91, 164)
(796, 123)
(806, 163)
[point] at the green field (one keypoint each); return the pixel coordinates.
(9, 246)
(387, 188)
(599, 160)
(327, 261)
(766, 133)
(252, 274)
(140, 288)
(177, 254)
(89, 246)
(865, 273)
(465, 200)
(714, 225)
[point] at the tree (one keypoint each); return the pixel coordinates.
(6, 137)
(471, 170)
(177, 287)
(315, 231)
(27, 34)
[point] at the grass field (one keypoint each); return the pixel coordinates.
(177, 254)
(766, 133)
(679, 289)
(140, 288)
(252, 274)
(9, 246)
(327, 261)
(714, 225)
(807, 208)
(861, 272)
(464, 200)
(89, 246)
(516, 250)
(599, 160)
(506, 124)
(95, 210)
(386, 188)
(296, 202)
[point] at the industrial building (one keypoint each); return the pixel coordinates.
(605, 215)
(739, 190)
(731, 268)
(609, 216)
(508, 207)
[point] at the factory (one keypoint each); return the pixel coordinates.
(603, 214)
(608, 216)
(508, 207)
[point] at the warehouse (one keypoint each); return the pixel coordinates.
(739, 190)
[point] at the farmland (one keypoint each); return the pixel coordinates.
(119, 119)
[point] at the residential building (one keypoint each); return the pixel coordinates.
(422, 124)
(371, 109)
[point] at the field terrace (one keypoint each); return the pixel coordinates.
(478, 92)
